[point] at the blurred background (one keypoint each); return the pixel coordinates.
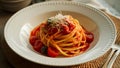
(112, 6)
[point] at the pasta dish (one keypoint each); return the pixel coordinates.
(61, 35)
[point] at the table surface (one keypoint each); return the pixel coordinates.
(9, 59)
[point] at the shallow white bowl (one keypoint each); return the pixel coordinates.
(18, 27)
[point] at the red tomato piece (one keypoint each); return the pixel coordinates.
(52, 52)
(34, 31)
(85, 48)
(54, 30)
(89, 37)
(37, 45)
(71, 26)
(32, 40)
(65, 29)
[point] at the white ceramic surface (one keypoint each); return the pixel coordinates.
(18, 27)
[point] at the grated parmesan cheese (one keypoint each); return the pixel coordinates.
(58, 19)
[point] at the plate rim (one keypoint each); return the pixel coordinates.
(57, 2)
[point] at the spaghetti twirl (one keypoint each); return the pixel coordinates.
(60, 35)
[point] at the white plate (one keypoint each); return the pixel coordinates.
(18, 27)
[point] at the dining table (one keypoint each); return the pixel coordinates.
(9, 59)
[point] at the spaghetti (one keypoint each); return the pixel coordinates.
(60, 35)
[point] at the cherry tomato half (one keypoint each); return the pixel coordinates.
(37, 45)
(52, 52)
(32, 40)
